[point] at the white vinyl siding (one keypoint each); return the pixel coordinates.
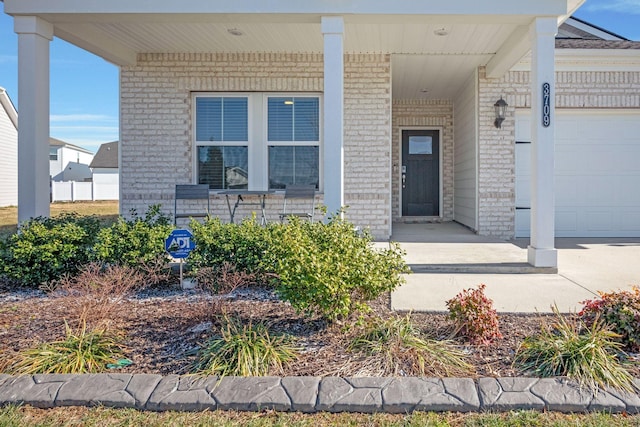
(8, 161)
(466, 154)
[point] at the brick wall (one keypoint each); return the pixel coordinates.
(497, 149)
(367, 127)
(156, 136)
(424, 114)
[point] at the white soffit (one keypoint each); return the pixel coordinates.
(118, 30)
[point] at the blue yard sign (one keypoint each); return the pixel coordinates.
(180, 243)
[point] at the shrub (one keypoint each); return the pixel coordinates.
(474, 316)
(398, 348)
(224, 278)
(243, 245)
(586, 354)
(137, 242)
(244, 350)
(329, 269)
(96, 293)
(619, 309)
(46, 248)
(80, 352)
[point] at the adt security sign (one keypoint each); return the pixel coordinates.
(180, 243)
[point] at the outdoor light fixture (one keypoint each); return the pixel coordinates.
(501, 112)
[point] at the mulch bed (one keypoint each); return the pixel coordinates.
(164, 326)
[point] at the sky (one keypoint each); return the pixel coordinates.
(84, 87)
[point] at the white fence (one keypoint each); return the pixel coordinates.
(71, 191)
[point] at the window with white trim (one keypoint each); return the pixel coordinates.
(294, 141)
(257, 141)
(222, 139)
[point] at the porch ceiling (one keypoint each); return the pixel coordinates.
(424, 64)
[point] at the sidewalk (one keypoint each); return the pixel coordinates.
(447, 258)
(310, 394)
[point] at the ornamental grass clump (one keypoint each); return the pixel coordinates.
(395, 347)
(620, 310)
(474, 316)
(587, 354)
(80, 352)
(244, 350)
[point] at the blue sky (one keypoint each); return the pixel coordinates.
(84, 87)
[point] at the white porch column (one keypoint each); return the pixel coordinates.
(333, 134)
(34, 35)
(542, 252)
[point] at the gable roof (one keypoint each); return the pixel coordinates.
(53, 142)
(106, 157)
(576, 28)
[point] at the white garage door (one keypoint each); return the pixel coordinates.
(597, 173)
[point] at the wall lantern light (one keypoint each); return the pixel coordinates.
(501, 112)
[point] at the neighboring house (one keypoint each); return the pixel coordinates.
(386, 106)
(106, 177)
(9, 150)
(68, 162)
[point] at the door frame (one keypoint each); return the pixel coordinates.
(440, 130)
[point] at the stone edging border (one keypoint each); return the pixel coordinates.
(311, 394)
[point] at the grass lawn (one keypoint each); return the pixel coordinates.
(106, 210)
(27, 416)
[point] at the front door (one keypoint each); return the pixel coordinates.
(420, 173)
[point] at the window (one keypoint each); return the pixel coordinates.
(53, 153)
(222, 138)
(256, 141)
(294, 140)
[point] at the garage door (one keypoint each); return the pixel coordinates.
(597, 173)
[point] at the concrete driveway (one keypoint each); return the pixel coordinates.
(447, 258)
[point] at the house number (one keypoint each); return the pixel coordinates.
(546, 104)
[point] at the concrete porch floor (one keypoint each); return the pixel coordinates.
(446, 258)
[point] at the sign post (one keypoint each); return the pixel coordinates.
(179, 245)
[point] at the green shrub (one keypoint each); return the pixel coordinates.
(135, 242)
(329, 269)
(619, 309)
(46, 248)
(585, 354)
(242, 245)
(474, 316)
(244, 350)
(80, 352)
(396, 347)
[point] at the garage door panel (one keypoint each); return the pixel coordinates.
(592, 130)
(566, 221)
(567, 130)
(523, 222)
(597, 174)
(599, 221)
(630, 220)
(568, 190)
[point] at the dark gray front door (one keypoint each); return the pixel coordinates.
(420, 173)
